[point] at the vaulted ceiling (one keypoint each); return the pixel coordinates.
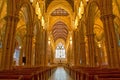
(59, 20)
(60, 30)
(71, 2)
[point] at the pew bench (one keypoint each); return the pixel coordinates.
(90, 75)
(26, 76)
(11, 77)
(107, 77)
(30, 73)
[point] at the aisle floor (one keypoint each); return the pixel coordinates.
(60, 74)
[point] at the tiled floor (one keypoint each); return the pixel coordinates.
(60, 74)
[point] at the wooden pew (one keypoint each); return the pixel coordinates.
(77, 71)
(27, 75)
(11, 77)
(107, 77)
(89, 75)
(31, 73)
(44, 73)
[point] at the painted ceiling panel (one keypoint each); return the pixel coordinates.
(60, 30)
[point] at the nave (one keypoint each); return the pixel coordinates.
(36, 36)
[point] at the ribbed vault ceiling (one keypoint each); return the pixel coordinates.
(47, 2)
(60, 31)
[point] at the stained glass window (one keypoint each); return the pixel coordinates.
(60, 51)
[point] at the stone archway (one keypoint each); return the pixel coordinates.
(90, 20)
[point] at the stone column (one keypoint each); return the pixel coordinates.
(76, 47)
(107, 18)
(68, 55)
(9, 41)
(52, 56)
(21, 56)
(82, 50)
(91, 49)
(99, 55)
(37, 48)
(91, 41)
(90, 37)
(72, 55)
(83, 54)
(42, 47)
(9, 38)
(44, 43)
(104, 60)
(82, 45)
(36, 54)
(28, 45)
(46, 47)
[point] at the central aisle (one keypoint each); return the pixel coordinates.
(60, 74)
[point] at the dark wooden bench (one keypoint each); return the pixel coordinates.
(76, 72)
(107, 77)
(11, 77)
(89, 75)
(30, 73)
(27, 75)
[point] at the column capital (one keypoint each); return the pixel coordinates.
(107, 16)
(37, 43)
(29, 35)
(82, 43)
(91, 34)
(9, 17)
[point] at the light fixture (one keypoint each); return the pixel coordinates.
(87, 0)
(49, 42)
(99, 44)
(70, 41)
(31, 1)
(19, 47)
(43, 22)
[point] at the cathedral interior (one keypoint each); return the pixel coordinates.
(60, 35)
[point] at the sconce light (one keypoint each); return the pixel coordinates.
(99, 44)
(87, 0)
(48, 41)
(31, 1)
(19, 47)
(70, 40)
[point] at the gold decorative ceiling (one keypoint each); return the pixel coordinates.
(60, 31)
(71, 2)
(59, 12)
(59, 24)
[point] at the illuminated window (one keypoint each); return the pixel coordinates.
(60, 51)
